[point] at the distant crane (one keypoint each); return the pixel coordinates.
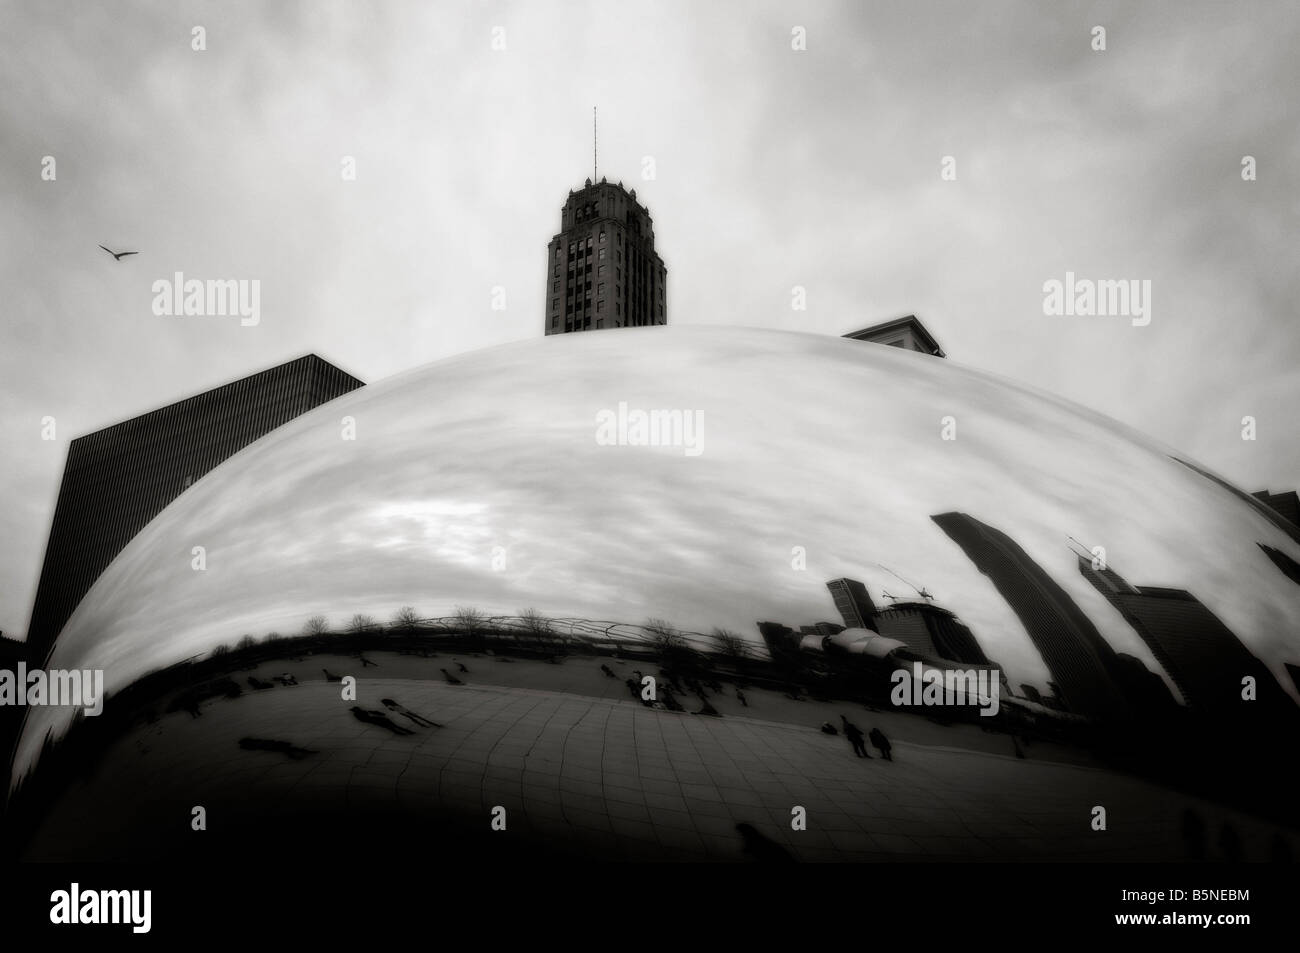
(920, 592)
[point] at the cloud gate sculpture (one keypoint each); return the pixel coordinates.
(617, 548)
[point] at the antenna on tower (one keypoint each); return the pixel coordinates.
(920, 592)
(594, 177)
(1083, 550)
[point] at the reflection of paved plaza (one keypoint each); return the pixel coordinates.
(609, 777)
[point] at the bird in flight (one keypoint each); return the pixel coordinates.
(119, 255)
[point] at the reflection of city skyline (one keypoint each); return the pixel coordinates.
(431, 486)
(1200, 655)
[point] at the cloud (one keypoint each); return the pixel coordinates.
(774, 168)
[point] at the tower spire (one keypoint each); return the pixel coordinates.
(593, 145)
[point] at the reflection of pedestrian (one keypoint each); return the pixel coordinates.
(855, 736)
(882, 744)
(405, 712)
(741, 695)
(379, 719)
(451, 679)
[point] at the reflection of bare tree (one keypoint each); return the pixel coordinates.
(536, 625)
(671, 645)
(360, 624)
(406, 619)
(662, 635)
(730, 644)
(316, 625)
(469, 620)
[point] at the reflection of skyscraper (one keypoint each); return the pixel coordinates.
(118, 479)
(1145, 690)
(1294, 672)
(930, 630)
(1202, 655)
(1282, 561)
(781, 640)
(1286, 504)
(1082, 664)
(853, 602)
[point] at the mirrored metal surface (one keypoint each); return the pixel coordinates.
(521, 477)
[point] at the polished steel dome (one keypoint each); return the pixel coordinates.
(708, 476)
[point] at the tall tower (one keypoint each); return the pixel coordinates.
(602, 270)
(853, 601)
(1203, 656)
(1082, 663)
(117, 479)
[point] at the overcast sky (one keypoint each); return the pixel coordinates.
(773, 167)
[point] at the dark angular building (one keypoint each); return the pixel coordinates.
(1282, 561)
(853, 602)
(1203, 656)
(930, 631)
(1145, 689)
(1285, 504)
(782, 641)
(118, 479)
(1083, 665)
(602, 270)
(906, 332)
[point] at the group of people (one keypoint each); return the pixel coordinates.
(858, 740)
